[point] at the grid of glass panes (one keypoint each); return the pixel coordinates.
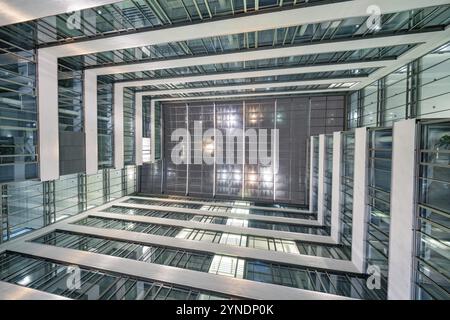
(217, 219)
(434, 84)
(395, 97)
(243, 240)
(53, 277)
(222, 208)
(353, 110)
(328, 179)
(347, 176)
(315, 173)
(433, 213)
(22, 208)
(22, 203)
(66, 196)
(174, 257)
(379, 188)
(70, 99)
(129, 131)
(261, 271)
(105, 129)
(369, 104)
(116, 187)
(131, 172)
(18, 113)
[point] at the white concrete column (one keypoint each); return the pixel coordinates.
(118, 128)
(359, 220)
(401, 242)
(48, 133)
(336, 186)
(90, 121)
(320, 182)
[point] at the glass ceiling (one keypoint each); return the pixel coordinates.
(362, 55)
(137, 15)
(428, 19)
(281, 78)
(338, 85)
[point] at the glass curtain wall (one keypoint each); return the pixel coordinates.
(292, 117)
(328, 179)
(18, 112)
(347, 180)
(379, 188)
(105, 129)
(315, 173)
(417, 90)
(30, 205)
(433, 213)
(129, 142)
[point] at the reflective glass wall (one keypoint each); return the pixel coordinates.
(296, 119)
(346, 189)
(420, 89)
(18, 111)
(378, 200)
(433, 213)
(328, 179)
(30, 205)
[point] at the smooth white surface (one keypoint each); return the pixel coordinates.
(15, 11)
(401, 233)
(321, 187)
(336, 186)
(118, 129)
(48, 132)
(359, 221)
(90, 121)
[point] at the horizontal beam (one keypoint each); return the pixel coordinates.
(309, 261)
(254, 73)
(223, 213)
(286, 235)
(259, 94)
(260, 54)
(15, 11)
(240, 24)
(263, 85)
(220, 204)
(167, 274)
